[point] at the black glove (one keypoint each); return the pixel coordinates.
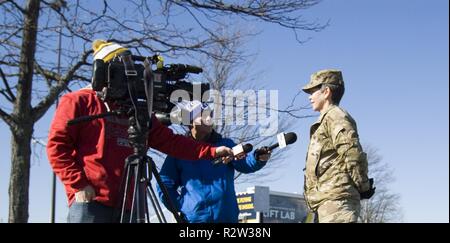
(369, 193)
(261, 151)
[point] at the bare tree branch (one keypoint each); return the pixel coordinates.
(22, 10)
(45, 104)
(48, 75)
(384, 205)
(7, 92)
(8, 119)
(277, 12)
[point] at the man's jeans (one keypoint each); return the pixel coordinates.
(93, 212)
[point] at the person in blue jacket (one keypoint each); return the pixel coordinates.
(204, 192)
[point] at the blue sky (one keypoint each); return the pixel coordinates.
(394, 58)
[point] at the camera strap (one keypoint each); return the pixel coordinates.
(148, 85)
(131, 76)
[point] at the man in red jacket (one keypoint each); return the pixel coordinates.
(89, 157)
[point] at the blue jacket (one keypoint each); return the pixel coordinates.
(205, 192)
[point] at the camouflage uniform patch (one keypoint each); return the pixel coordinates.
(339, 211)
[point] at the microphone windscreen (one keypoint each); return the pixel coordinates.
(248, 148)
(290, 137)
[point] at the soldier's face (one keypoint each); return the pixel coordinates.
(317, 99)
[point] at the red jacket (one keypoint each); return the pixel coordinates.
(93, 153)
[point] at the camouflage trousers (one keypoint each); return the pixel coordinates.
(339, 211)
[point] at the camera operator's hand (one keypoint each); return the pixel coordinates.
(85, 195)
(263, 154)
(369, 193)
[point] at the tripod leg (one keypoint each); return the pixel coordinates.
(154, 198)
(125, 182)
(155, 207)
(147, 214)
(134, 201)
(141, 196)
(176, 213)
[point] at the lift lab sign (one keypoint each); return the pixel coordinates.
(285, 209)
(282, 209)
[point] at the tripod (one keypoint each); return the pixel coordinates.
(138, 169)
(137, 176)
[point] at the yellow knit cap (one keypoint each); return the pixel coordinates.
(106, 50)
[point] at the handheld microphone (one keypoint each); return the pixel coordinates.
(288, 138)
(238, 149)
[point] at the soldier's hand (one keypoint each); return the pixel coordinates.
(369, 193)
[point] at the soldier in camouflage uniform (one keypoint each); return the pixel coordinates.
(336, 173)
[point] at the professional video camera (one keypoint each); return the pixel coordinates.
(113, 78)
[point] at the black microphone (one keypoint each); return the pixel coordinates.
(238, 149)
(289, 137)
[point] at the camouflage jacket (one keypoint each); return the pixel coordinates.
(336, 166)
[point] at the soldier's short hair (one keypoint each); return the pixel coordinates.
(337, 91)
